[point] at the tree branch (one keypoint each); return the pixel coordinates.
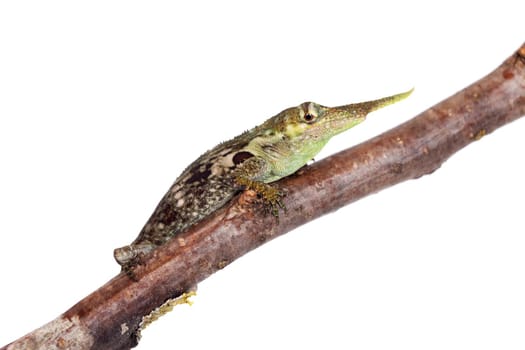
(109, 317)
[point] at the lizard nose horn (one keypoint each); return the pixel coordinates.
(363, 108)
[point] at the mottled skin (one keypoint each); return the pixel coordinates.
(252, 160)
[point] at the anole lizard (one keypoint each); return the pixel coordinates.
(273, 150)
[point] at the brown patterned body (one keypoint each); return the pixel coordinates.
(206, 185)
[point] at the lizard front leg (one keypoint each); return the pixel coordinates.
(249, 175)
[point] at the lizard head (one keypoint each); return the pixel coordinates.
(293, 137)
(310, 121)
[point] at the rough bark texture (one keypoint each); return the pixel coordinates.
(108, 318)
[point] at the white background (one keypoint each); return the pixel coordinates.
(102, 105)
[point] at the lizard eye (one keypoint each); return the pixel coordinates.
(309, 112)
(308, 117)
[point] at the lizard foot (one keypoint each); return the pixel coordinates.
(166, 307)
(272, 200)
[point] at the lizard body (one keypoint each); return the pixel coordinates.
(273, 150)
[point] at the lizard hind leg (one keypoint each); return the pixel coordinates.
(131, 255)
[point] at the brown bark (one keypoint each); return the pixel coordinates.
(108, 317)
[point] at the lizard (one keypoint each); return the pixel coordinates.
(253, 160)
